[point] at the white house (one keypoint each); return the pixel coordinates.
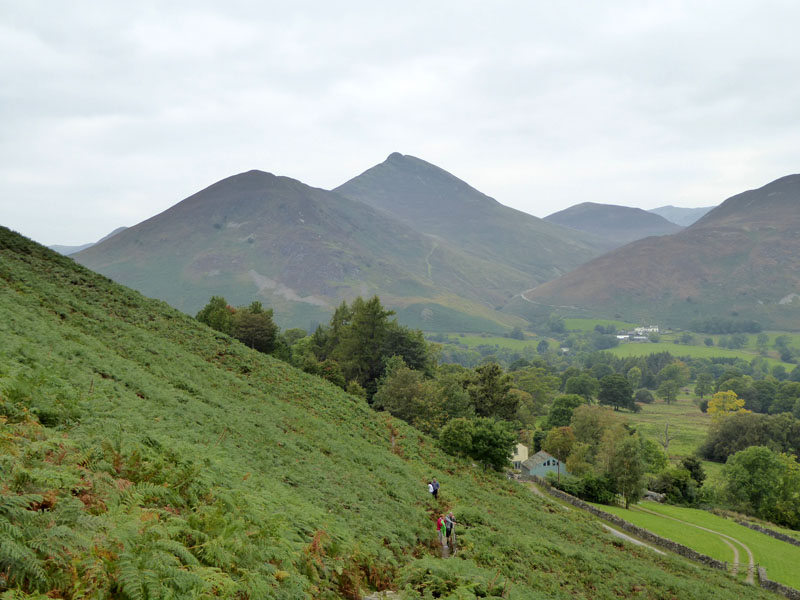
(645, 330)
(520, 455)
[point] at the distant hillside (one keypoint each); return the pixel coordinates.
(681, 216)
(67, 250)
(146, 456)
(301, 251)
(618, 225)
(739, 261)
(435, 202)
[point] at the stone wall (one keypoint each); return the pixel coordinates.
(776, 534)
(776, 587)
(657, 540)
(643, 534)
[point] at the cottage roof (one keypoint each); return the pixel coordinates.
(537, 459)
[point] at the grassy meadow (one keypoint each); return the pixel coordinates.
(627, 349)
(779, 558)
(473, 341)
(578, 324)
(687, 423)
(146, 457)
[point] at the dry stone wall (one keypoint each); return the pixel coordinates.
(776, 587)
(657, 540)
(776, 534)
(644, 534)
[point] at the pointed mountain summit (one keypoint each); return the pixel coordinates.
(299, 250)
(619, 225)
(740, 261)
(435, 202)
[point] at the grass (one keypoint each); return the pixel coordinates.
(701, 541)
(473, 341)
(577, 324)
(687, 423)
(147, 456)
(643, 349)
(779, 558)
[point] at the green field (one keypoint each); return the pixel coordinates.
(589, 324)
(644, 348)
(686, 422)
(700, 541)
(473, 341)
(779, 558)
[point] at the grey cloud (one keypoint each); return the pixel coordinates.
(115, 112)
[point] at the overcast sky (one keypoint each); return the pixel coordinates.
(114, 111)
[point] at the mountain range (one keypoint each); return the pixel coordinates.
(739, 261)
(442, 254)
(447, 257)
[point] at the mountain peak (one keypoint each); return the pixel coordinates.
(617, 224)
(772, 205)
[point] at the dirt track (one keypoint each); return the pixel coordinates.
(725, 538)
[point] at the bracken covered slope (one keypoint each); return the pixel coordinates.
(146, 456)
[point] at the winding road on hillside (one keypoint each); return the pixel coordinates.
(724, 537)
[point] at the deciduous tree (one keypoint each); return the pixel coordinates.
(725, 403)
(623, 463)
(668, 390)
(616, 391)
(584, 385)
(217, 315)
(560, 413)
(703, 384)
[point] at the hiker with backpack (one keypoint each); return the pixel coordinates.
(449, 525)
(440, 530)
(435, 485)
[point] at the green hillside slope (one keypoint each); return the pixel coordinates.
(146, 456)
